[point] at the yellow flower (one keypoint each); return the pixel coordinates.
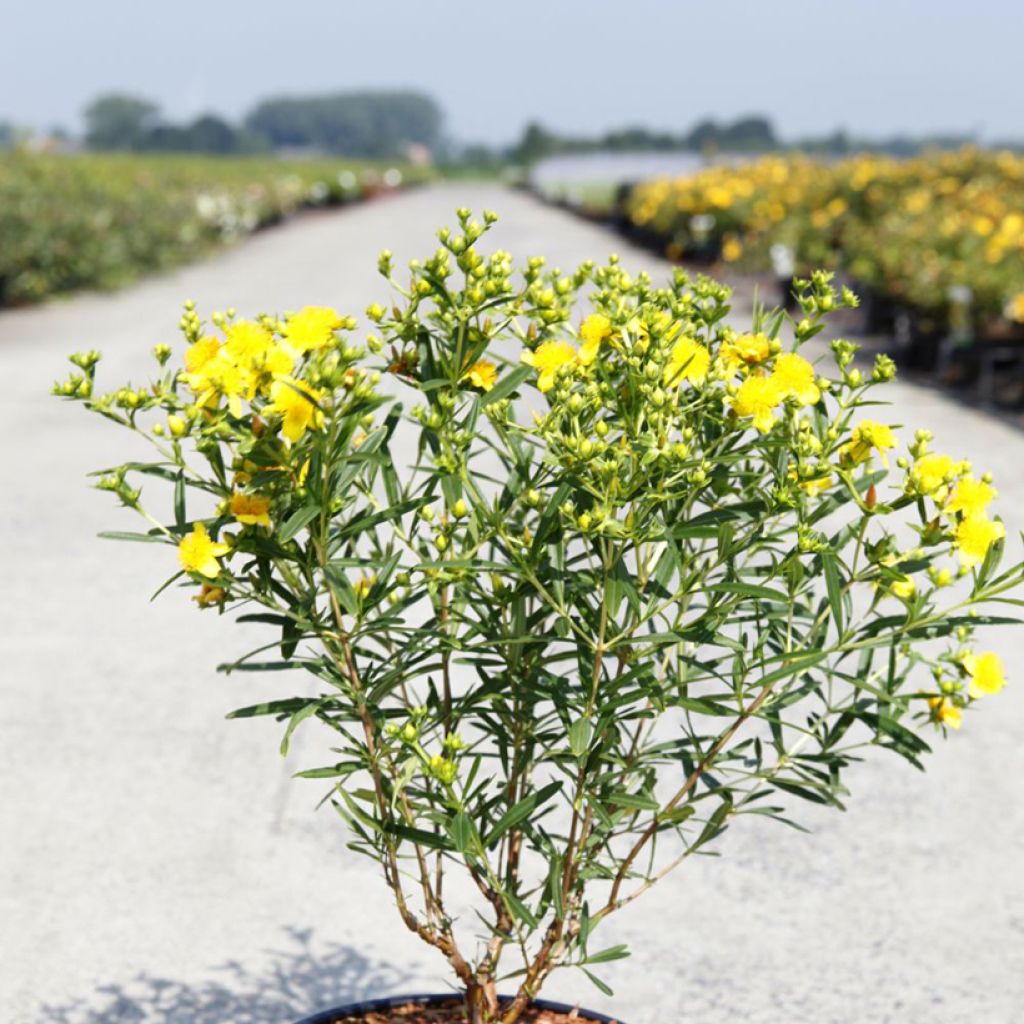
(593, 331)
(746, 349)
(276, 360)
(210, 595)
(867, 435)
(364, 585)
(197, 552)
(548, 359)
(758, 397)
(931, 472)
(247, 342)
(251, 509)
(975, 535)
(199, 354)
(732, 249)
(971, 497)
(903, 588)
(312, 327)
(482, 375)
(795, 377)
(814, 486)
(294, 402)
(986, 672)
(689, 360)
(945, 712)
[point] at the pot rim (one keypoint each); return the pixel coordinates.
(431, 999)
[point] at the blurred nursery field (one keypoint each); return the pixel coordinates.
(935, 231)
(933, 244)
(99, 220)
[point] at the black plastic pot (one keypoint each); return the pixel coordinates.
(329, 1016)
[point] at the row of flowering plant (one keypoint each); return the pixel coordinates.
(926, 231)
(582, 580)
(98, 220)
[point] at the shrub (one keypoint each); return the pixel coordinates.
(919, 231)
(70, 222)
(561, 651)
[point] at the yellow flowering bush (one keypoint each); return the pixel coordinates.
(583, 574)
(921, 231)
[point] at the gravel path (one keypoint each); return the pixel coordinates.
(158, 865)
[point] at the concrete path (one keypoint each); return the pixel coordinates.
(158, 866)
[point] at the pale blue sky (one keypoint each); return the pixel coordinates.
(877, 67)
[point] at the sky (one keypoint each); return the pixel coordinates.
(874, 67)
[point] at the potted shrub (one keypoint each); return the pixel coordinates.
(636, 576)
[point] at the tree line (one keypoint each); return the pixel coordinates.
(361, 124)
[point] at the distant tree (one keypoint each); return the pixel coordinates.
(206, 134)
(748, 133)
(211, 134)
(639, 139)
(537, 142)
(478, 156)
(367, 124)
(7, 134)
(165, 138)
(119, 121)
(704, 135)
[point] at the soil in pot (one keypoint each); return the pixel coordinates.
(452, 1012)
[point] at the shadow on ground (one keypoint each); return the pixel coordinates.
(299, 981)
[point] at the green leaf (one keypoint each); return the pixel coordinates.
(291, 634)
(331, 771)
(598, 983)
(603, 956)
(297, 718)
(179, 502)
(153, 537)
(273, 707)
(462, 832)
(716, 824)
(392, 513)
(677, 815)
(521, 910)
(555, 873)
(580, 733)
(433, 840)
(637, 800)
(297, 521)
(834, 588)
(806, 791)
(748, 590)
(506, 385)
(707, 706)
(518, 812)
(798, 664)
